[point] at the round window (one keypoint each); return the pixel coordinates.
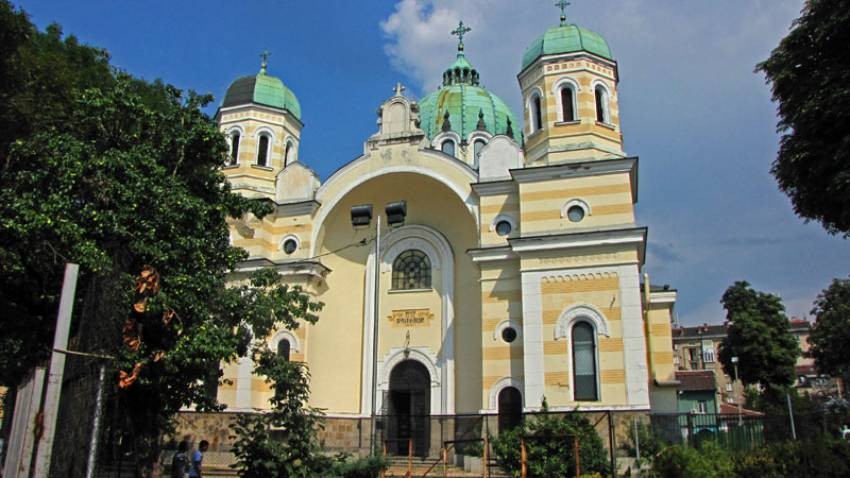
(575, 213)
(508, 334)
(289, 246)
(503, 228)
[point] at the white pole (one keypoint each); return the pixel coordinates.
(98, 414)
(791, 416)
(57, 370)
(375, 337)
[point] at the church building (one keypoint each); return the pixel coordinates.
(470, 260)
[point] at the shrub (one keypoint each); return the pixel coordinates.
(811, 458)
(679, 461)
(552, 457)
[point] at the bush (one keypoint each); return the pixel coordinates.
(345, 466)
(679, 461)
(552, 457)
(810, 458)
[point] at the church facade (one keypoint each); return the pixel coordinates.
(509, 265)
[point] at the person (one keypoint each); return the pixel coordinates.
(197, 459)
(180, 461)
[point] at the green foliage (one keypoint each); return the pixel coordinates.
(649, 440)
(679, 461)
(809, 73)
(830, 336)
(552, 456)
(759, 335)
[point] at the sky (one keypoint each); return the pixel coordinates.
(692, 107)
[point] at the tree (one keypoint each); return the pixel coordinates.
(124, 178)
(759, 334)
(830, 336)
(809, 73)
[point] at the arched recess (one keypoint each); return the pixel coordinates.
(574, 88)
(452, 173)
(439, 252)
(577, 312)
(502, 384)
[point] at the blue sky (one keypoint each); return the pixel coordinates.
(691, 106)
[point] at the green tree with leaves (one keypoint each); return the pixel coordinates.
(809, 73)
(759, 334)
(830, 335)
(124, 178)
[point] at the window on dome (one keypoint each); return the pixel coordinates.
(602, 113)
(536, 114)
(477, 146)
(263, 150)
(448, 147)
(568, 104)
(584, 362)
(234, 148)
(411, 270)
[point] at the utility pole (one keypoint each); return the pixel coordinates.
(740, 391)
(56, 372)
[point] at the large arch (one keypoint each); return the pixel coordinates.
(452, 173)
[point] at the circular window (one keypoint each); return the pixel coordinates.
(289, 246)
(575, 213)
(508, 334)
(503, 228)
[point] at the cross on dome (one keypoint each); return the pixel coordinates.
(399, 89)
(563, 4)
(264, 60)
(460, 32)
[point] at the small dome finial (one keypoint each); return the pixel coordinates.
(563, 4)
(264, 60)
(460, 32)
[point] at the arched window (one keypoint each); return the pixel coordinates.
(536, 114)
(283, 349)
(412, 270)
(584, 362)
(287, 153)
(602, 114)
(263, 150)
(448, 147)
(568, 112)
(477, 146)
(234, 148)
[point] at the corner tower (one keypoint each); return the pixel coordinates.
(569, 89)
(261, 118)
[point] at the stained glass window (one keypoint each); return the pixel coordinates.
(412, 270)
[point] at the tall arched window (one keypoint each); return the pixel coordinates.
(510, 409)
(477, 146)
(286, 153)
(568, 112)
(536, 114)
(448, 147)
(284, 348)
(602, 114)
(263, 150)
(234, 148)
(584, 362)
(412, 270)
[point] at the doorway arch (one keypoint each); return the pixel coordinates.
(409, 408)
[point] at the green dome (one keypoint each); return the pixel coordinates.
(469, 106)
(263, 90)
(566, 39)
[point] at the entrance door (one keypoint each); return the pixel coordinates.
(409, 408)
(510, 408)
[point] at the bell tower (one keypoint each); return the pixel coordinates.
(569, 88)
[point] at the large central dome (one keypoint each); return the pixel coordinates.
(466, 106)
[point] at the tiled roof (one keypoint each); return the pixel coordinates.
(729, 409)
(699, 331)
(696, 380)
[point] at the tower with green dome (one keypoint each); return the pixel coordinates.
(568, 77)
(261, 119)
(461, 117)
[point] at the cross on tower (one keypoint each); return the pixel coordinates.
(460, 32)
(264, 60)
(563, 4)
(399, 89)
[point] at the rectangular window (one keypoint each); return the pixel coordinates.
(702, 406)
